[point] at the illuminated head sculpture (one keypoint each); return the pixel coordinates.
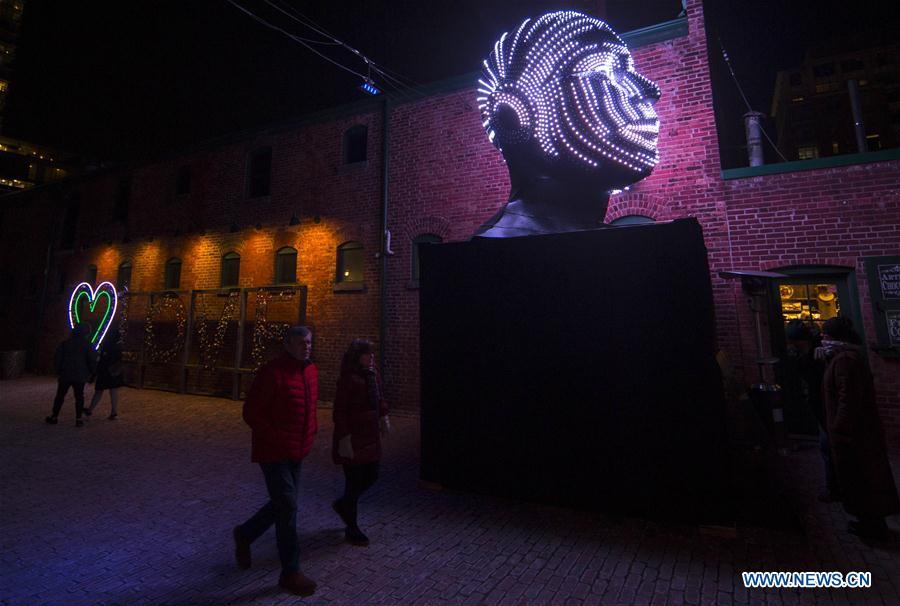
(561, 95)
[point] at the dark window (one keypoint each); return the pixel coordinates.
(632, 220)
(852, 65)
(286, 266)
(796, 79)
(231, 269)
(823, 69)
(123, 280)
(355, 144)
(90, 275)
(882, 59)
(123, 200)
(183, 181)
(349, 262)
(418, 240)
(259, 173)
(173, 274)
(70, 223)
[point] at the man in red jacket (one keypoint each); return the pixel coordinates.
(281, 411)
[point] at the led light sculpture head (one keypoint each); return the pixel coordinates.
(561, 99)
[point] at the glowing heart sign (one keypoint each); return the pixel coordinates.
(98, 304)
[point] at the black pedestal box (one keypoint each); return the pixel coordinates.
(575, 369)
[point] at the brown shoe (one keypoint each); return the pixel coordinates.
(297, 583)
(241, 550)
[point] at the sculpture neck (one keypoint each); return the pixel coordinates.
(541, 204)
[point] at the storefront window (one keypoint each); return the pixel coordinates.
(812, 303)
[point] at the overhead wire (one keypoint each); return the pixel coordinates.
(744, 97)
(295, 38)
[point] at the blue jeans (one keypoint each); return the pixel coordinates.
(281, 510)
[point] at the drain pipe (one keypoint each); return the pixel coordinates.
(753, 131)
(385, 250)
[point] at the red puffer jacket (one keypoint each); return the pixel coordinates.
(281, 409)
(354, 414)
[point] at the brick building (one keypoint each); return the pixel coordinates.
(321, 189)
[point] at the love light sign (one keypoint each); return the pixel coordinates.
(98, 306)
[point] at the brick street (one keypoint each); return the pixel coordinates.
(140, 511)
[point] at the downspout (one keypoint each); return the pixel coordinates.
(385, 237)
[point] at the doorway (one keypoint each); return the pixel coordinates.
(803, 301)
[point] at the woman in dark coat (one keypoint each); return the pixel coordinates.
(109, 376)
(855, 433)
(360, 419)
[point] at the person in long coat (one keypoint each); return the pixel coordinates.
(109, 376)
(76, 363)
(855, 433)
(360, 419)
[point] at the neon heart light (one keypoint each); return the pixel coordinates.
(84, 291)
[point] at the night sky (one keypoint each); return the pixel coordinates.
(126, 80)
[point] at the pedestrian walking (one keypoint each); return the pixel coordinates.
(281, 412)
(109, 377)
(75, 362)
(855, 433)
(360, 420)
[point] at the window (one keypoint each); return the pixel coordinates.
(882, 59)
(231, 269)
(808, 152)
(173, 274)
(852, 65)
(90, 274)
(70, 222)
(183, 181)
(823, 69)
(286, 266)
(873, 142)
(827, 87)
(259, 173)
(123, 280)
(123, 198)
(63, 280)
(355, 139)
(796, 79)
(349, 262)
(835, 148)
(418, 240)
(632, 220)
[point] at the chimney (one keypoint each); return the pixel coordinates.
(859, 126)
(753, 132)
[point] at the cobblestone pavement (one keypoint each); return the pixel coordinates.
(140, 511)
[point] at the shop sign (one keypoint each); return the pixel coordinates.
(889, 279)
(893, 326)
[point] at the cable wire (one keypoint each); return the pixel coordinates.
(744, 97)
(295, 38)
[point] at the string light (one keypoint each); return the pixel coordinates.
(165, 302)
(571, 84)
(210, 347)
(265, 332)
(93, 296)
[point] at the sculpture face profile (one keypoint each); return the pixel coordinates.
(561, 99)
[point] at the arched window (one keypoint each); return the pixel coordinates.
(349, 262)
(421, 239)
(286, 265)
(173, 274)
(90, 274)
(355, 139)
(231, 269)
(123, 279)
(632, 220)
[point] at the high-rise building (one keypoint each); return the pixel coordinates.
(813, 109)
(22, 164)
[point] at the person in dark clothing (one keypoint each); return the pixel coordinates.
(109, 376)
(855, 433)
(281, 412)
(75, 362)
(360, 419)
(808, 371)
